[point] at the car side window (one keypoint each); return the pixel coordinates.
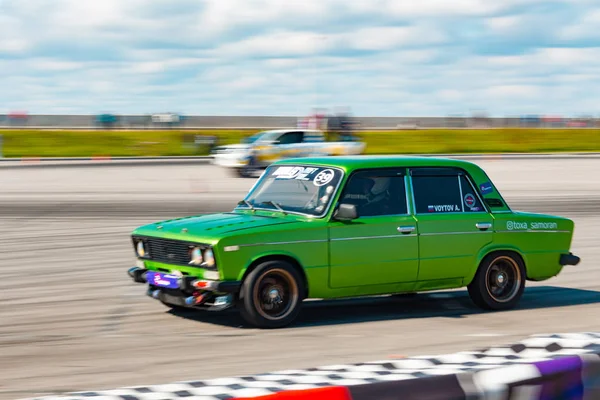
(377, 192)
(291, 138)
(470, 199)
(440, 190)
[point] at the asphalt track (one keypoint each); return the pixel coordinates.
(71, 320)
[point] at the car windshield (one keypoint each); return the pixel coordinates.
(294, 188)
(252, 138)
(261, 136)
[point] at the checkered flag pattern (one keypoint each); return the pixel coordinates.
(466, 371)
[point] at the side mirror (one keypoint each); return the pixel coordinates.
(346, 212)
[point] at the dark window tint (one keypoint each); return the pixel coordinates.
(437, 194)
(443, 191)
(376, 193)
(470, 201)
(291, 138)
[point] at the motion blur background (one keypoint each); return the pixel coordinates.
(429, 58)
(228, 68)
(166, 77)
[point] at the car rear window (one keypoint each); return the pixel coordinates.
(444, 191)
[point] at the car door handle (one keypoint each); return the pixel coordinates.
(483, 226)
(406, 229)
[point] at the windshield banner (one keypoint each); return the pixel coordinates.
(319, 176)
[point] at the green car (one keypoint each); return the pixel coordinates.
(350, 226)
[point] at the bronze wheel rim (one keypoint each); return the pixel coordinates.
(503, 279)
(275, 294)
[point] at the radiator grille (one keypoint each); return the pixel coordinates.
(169, 251)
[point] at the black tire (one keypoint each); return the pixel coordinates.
(499, 282)
(246, 172)
(271, 282)
(240, 172)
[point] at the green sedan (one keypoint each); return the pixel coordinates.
(336, 227)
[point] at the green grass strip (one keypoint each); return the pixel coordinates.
(76, 143)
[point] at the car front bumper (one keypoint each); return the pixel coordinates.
(230, 161)
(187, 291)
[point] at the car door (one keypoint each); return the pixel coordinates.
(452, 221)
(381, 246)
(279, 147)
(289, 144)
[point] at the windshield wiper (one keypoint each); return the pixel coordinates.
(246, 202)
(272, 203)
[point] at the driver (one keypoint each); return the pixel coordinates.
(370, 195)
(377, 197)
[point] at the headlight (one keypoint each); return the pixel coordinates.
(195, 256)
(140, 249)
(209, 258)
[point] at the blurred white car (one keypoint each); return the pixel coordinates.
(260, 150)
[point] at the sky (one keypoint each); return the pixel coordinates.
(285, 57)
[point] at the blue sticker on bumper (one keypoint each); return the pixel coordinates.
(163, 280)
(486, 188)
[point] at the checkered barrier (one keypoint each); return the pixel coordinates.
(572, 378)
(563, 366)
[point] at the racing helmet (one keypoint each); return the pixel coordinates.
(380, 185)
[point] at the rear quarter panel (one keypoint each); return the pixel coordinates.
(540, 240)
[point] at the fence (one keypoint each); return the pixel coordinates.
(273, 122)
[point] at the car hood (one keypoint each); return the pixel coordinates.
(209, 228)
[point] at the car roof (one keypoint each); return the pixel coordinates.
(351, 163)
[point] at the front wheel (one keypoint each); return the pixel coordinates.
(241, 172)
(271, 295)
(246, 172)
(499, 282)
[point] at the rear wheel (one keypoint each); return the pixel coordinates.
(271, 295)
(499, 282)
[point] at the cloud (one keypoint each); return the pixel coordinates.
(380, 57)
(442, 7)
(162, 66)
(503, 24)
(387, 38)
(46, 65)
(569, 57)
(585, 28)
(13, 46)
(512, 91)
(276, 44)
(221, 16)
